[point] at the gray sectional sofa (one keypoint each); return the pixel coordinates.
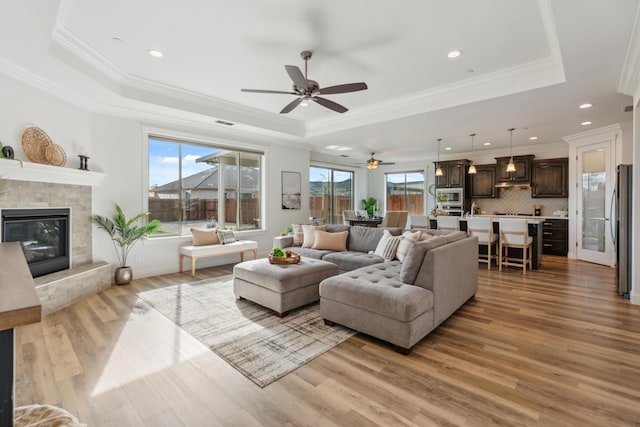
(399, 302)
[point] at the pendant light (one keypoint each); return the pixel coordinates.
(438, 168)
(511, 167)
(472, 166)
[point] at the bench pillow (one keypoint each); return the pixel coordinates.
(205, 237)
(330, 241)
(226, 236)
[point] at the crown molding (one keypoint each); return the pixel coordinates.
(629, 83)
(32, 79)
(594, 135)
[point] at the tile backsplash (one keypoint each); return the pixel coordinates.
(520, 201)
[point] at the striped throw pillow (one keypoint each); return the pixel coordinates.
(408, 239)
(226, 236)
(298, 234)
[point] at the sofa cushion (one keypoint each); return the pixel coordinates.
(377, 289)
(364, 239)
(336, 228)
(308, 252)
(309, 234)
(408, 239)
(331, 241)
(350, 260)
(208, 236)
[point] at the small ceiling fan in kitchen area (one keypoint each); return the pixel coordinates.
(307, 89)
(373, 163)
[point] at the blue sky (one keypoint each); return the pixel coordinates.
(163, 161)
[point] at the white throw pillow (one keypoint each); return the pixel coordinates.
(387, 246)
(408, 240)
(309, 234)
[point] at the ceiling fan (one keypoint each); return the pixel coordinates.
(306, 89)
(373, 163)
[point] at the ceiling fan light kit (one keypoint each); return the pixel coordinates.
(373, 163)
(306, 89)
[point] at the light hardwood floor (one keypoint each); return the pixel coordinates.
(556, 347)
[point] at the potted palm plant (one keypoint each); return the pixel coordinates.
(125, 233)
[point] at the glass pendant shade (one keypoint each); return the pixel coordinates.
(438, 168)
(472, 167)
(511, 167)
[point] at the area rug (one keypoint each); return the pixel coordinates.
(248, 336)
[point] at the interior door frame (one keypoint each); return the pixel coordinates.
(611, 138)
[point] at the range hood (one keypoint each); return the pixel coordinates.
(514, 185)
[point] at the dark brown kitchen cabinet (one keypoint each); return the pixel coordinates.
(555, 237)
(483, 182)
(453, 174)
(550, 178)
(523, 169)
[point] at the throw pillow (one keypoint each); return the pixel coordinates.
(330, 241)
(205, 237)
(309, 236)
(226, 236)
(425, 236)
(298, 236)
(387, 246)
(408, 239)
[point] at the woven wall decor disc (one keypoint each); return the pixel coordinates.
(34, 144)
(55, 155)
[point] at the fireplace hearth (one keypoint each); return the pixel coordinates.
(44, 235)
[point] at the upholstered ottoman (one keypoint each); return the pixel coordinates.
(281, 287)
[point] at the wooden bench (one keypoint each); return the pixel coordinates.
(205, 251)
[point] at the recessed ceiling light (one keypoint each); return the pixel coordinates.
(331, 147)
(454, 54)
(448, 148)
(486, 143)
(586, 105)
(533, 138)
(344, 148)
(587, 123)
(156, 53)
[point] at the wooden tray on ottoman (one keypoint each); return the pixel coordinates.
(293, 259)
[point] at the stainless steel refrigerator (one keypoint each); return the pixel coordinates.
(622, 234)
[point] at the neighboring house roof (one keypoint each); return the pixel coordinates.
(208, 180)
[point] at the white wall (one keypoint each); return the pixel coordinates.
(22, 106)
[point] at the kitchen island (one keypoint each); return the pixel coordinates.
(535, 231)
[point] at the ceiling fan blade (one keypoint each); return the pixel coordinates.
(387, 163)
(330, 104)
(297, 76)
(349, 87)
(290, 106)
(268, 91)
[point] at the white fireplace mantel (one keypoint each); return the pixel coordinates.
(27, 171)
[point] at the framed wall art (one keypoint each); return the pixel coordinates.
(291, 189)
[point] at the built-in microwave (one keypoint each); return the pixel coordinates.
(450, 197)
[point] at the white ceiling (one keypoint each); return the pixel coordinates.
(526, 64)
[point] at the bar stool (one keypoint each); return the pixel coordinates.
(514, 233)
(446, 222)
(483, 228)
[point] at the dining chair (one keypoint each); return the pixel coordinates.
(347, 215)
(448, 222)
(483, 228)
(418, 221)
(514, 233)
(395, 219)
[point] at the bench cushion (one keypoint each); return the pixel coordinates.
(212, 250)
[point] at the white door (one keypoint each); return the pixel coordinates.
(595, 184)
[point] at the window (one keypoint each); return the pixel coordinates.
(331, 192)
(405, 192)
(197, 185)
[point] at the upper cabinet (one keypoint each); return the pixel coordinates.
(550, 178)
(523, 169)
(453, 174)
(483, 182)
